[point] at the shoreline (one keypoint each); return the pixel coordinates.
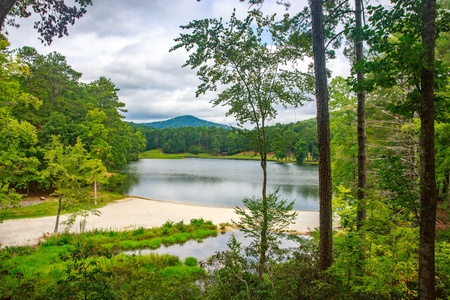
(130, 213)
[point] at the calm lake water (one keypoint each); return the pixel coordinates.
(208, 247)
(221, 182)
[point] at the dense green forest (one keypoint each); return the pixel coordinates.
(52, 124)
(286, 141)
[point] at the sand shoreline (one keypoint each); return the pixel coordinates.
(129, 213)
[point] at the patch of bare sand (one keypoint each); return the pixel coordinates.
(132, 213)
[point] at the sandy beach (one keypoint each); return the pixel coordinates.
(132, 213)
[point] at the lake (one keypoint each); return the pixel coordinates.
(208, 247)
(221, 182)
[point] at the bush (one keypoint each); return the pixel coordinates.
(443, 269)
(190, 261)
(444, 235)
(139, 231)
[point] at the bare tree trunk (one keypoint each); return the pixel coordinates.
(265, 225)
(264, 245)
(428, 196)
(361, 127)
(95, 192)
(323, 134)
(58, 214)
(5, 7)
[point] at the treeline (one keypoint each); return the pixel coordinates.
(48, 116)
(295, 140)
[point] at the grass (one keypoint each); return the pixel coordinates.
(37, 272)
(159, 154)
(248, 155)
(49, 207)
(168, 234)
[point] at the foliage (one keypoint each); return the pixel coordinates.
(72, 172)
(18, 142)
(278, 216)
(55, 15)
(50, 206)
(232, 274)
(388, 266)
(86, 266)
(255, 78)
(85, 277)
(295, 139)
(443, 269)
(41, 97)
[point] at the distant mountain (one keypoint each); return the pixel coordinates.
(184, 121)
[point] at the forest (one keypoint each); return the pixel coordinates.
(380, 139)
(288, 142)
(53, 125)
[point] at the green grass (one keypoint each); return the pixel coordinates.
(37, 272)
(157, 153)
(50, 207)
(168, 234)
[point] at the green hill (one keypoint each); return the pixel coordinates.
(184, 121)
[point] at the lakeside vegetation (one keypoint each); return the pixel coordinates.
(91, 266)
(158, 153)
(295, 142)
(49, 206)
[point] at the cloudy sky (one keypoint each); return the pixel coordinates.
(128, 41)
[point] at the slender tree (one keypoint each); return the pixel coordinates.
(428, 196)
(361, 127)
(234, 56)
(323, 135)
(406, 36)
(72, 172)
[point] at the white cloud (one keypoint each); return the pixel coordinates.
(129, 42)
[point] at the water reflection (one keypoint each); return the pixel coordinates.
(207, 248)
(223, 183)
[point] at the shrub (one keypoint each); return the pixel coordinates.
(154, 243)
(190, 261)
(443, 269)
(128, 244)
(139, 231)
(444, 235)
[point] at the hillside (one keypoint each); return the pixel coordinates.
(184, 121)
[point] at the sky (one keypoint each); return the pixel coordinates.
(128, 41)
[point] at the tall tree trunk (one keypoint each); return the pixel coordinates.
(5, 7)
(361, 127)
(264, 245)
(428, 197)
(58, 214)
(265, 225)
(323, 135)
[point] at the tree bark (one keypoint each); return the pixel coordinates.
(323, 135)
(428, 196)
(361, 127)
(5, 7)
(58, 214)
(265, 225)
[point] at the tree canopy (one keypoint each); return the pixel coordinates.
(55, 15)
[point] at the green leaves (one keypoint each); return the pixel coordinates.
(72, 171)
(273, 215)
(397, 54)
(245, 57)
